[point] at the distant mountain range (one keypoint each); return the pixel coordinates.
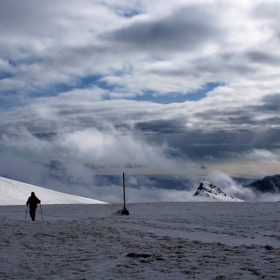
(269, 184)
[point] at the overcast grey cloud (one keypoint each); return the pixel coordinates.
(96, 87)
(183, 30)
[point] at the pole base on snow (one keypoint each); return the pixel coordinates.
(124, 211)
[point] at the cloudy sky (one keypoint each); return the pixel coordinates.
(184, 89)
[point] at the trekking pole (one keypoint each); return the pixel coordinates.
(41, 211)
(26, 212)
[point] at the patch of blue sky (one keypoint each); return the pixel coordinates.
(96, 80)
(5, 75)
(12, 62)
(50, 91)
(12, 98)
(89, 81)
(9, 101)
(195, 95)
(77, 83)
(8, 98)
(126, 12)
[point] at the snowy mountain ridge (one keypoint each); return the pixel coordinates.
(267, 184)
(16, 193)
(210, 192)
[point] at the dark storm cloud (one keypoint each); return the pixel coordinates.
(271, 103)
(263, 58)
(184, 29)
(219, 64)
(55, 165)
(229, 117)
(249, 120)
(65, 56)
(242, 119)
(196, 145)
(45, 135)
(247, 114)
(18, 17)
(162, 126)
(223, 62)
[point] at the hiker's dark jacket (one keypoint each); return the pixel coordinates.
(33, 200)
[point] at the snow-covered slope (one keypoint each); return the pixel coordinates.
(16, 193)
(208, 192)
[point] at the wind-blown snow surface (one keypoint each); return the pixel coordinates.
(156, 241)
(16, 193)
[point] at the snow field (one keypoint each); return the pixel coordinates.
(157, 241)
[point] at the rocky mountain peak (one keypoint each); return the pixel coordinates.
(209, 190)
(267, 184)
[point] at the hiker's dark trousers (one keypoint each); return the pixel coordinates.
(32, 212)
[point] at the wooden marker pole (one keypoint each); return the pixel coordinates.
(123, 192)
(124, 211)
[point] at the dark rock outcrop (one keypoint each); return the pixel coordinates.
(267, 184)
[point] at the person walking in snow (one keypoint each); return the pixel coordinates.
(32, 201)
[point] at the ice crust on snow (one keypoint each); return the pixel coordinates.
(209, 192)
(16, 193)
